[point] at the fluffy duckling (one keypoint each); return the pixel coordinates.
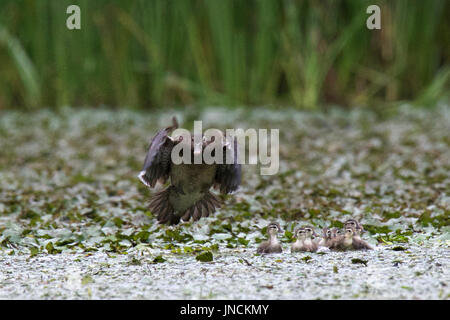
(272, 245)
(343, 240)
(337, 236)
(298, 244)
(310, 231)
(358, 243)
(304, 240)
(326, 240)
(358, 228)
(347, 241)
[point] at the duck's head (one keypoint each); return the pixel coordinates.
(355, 225)
(300, 233)
(336, 232)
(349, 233)
(273, 228)
(327, 233)
(309, 231)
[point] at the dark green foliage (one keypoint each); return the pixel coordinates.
(159, 259)
(205, 257)
(149, 54)
(359, 261)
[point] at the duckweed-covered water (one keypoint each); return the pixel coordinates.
(418, 273)
(74, 222)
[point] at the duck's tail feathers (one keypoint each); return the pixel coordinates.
(161, 207)
(202, 208)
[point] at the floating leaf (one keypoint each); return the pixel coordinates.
(159, 259)
(399, 248)
(243, 241)
(86, 280)
(205, 257)
(135, 262)
(33, 251)
(306, 259)
(377, 229)
(357, 260)
(51, 249)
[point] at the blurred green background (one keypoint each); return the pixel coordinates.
(159, 53)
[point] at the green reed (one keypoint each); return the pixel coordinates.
(151, 54)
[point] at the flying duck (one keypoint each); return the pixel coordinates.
(188, 194)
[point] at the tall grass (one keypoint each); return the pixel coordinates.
(151, 54)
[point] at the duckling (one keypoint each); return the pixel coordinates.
(358, 243)
(309, 244)
(304, 240)
(337, 236)
(358, 228)
(310, 231)
(327, 239)
(298, 244)
(272, 245)
(347, 241)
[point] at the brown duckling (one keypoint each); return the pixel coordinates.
(343, 240)
(310, 231)
(352, 223)
(358, 229)
(347, 241)
(272, 245)
(358, 243)
(298, 244)
(304, 240)
(327, 239)
(337, 236)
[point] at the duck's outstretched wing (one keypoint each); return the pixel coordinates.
(157, 161)
(228, 176)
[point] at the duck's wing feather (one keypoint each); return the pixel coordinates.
(228, 176)
(157, 161)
